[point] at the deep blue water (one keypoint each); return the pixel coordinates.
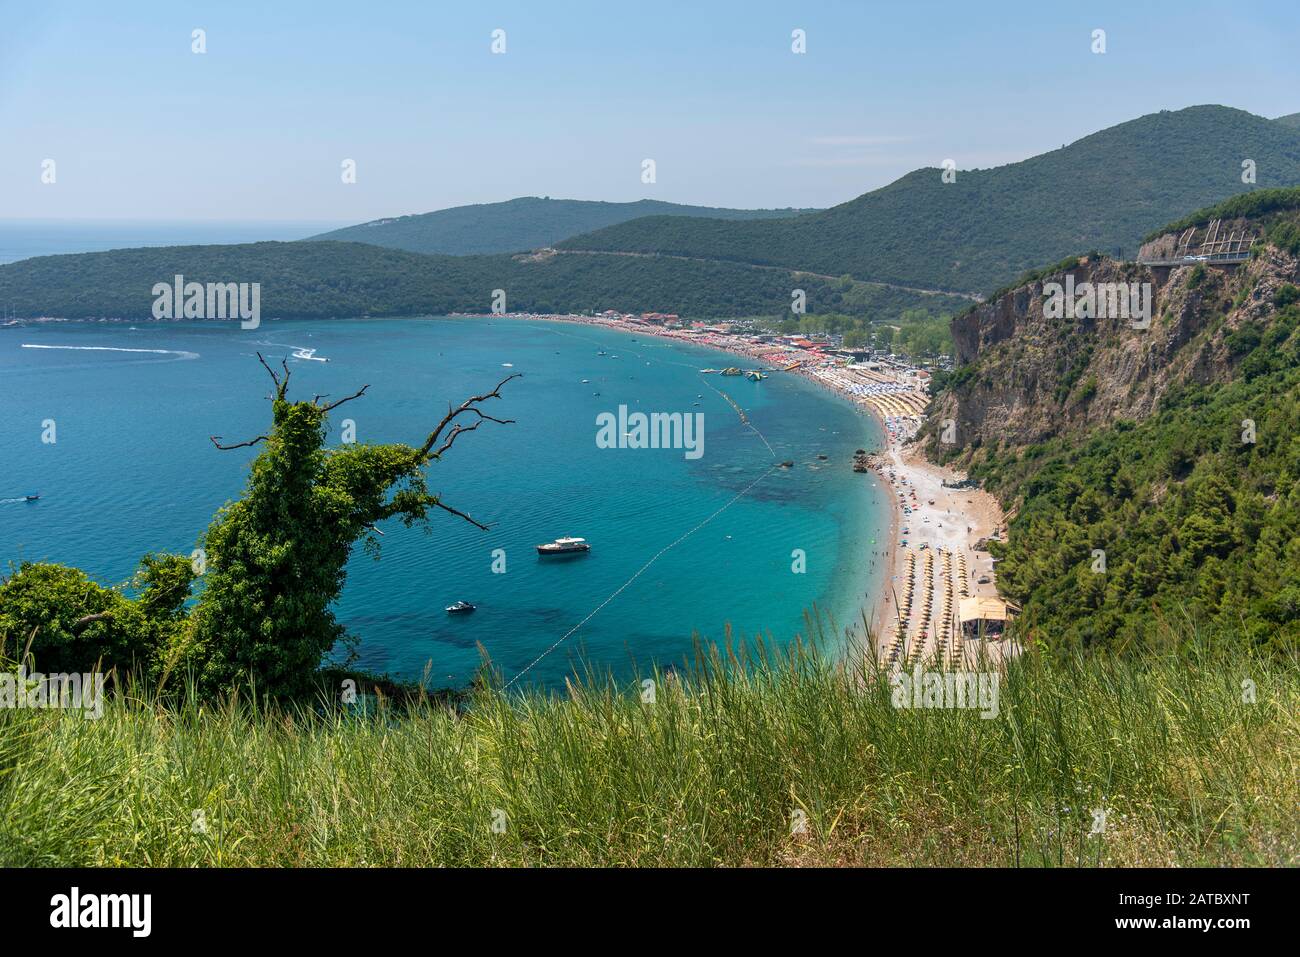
(133, 470)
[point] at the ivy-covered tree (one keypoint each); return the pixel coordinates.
(276, 558)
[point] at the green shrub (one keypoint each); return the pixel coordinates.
(70, 623)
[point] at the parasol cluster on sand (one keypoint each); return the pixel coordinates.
(949, 641)
(917, 647)
(895, 647)
(911, 640)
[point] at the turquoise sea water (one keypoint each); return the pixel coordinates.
(133, 470)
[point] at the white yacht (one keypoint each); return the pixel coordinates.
(564, 546)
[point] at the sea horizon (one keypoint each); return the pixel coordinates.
(27, 238)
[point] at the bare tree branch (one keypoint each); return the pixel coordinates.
(334, 405)
(451, 437)
(457, 429)
(281, 385)
(466, 406)
(456, 511)
(483, 415)
(274, 378)
(237, 445)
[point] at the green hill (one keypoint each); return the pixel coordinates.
(314, 280)
(518, 225)
(1291, 119)
(1104, 191)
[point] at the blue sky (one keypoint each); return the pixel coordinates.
(257, 127)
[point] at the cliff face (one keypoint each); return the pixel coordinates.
(1026, 372)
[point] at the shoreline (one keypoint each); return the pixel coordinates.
(942, 530)
(847, 630)
(930, 524)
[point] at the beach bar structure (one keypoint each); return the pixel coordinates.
(984, 617)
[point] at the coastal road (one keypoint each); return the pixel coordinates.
(973, 297)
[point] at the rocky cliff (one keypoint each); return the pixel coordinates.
(1029, 369)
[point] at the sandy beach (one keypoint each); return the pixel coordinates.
(934, 561)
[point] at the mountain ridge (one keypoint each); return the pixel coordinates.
(518, 225)
(987, 227)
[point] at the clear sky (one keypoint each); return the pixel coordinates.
(140, 127)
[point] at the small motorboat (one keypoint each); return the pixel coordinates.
(564, 546)
(460, 608)
(31, 498)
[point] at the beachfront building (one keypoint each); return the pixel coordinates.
(984, 617)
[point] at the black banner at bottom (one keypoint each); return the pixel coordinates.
(341, 906)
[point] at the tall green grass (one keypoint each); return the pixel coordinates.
(733, 755)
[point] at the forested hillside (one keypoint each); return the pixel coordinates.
(987, 227)
(310, 280)
(518, 225)
(1152, 474)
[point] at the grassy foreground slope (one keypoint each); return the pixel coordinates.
(989, 226)
(322, 280)
(517, 225)
(1190, 754)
